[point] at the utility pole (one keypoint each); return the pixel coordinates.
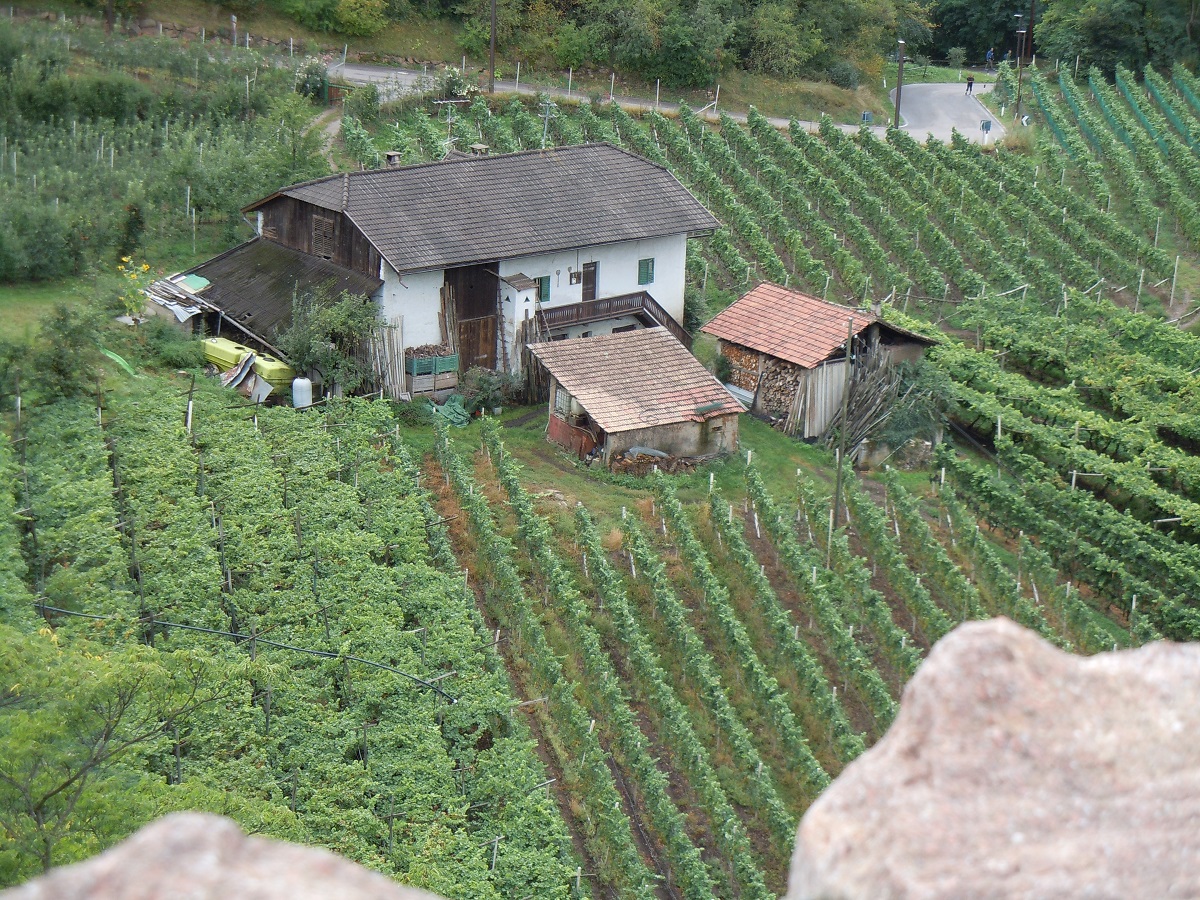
(1029, 28)
(1020, 55)
(492, 53)
(899, 80)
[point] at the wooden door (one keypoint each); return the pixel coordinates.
(477, 343)
(589, 281)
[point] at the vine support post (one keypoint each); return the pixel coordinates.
(841, 453)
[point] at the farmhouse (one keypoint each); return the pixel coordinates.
(639, 388)
(489, 253)
(787, 351)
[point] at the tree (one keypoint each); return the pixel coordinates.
(67, 354)
(328, 337)
(71, 716)
(779, 43)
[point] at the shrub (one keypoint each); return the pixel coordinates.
(311, 78)
(844, 74)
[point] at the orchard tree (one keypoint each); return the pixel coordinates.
(74, 720)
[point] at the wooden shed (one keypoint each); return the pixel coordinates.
(787, 351)
(611, 393)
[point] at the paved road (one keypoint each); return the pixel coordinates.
(926, 108)
(938, 109)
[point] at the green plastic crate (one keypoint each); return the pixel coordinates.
(432, 365)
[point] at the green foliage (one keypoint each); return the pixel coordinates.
(327, 336)
(221, 126)
(66, 354)
(484, 389)
(362, 103)
(956, 56)
(844, 74)
(360, 17)
(168, 347)
(74, 723)
(781, 45)
(312, 78)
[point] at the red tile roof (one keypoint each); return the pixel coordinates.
(636, 379)
(787, 324)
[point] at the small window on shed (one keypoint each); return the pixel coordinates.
(562, 401)
(543, 289)
(646, 270)
(323, 237)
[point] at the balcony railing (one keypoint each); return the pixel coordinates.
(640, 305)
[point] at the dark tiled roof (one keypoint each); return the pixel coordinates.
(791, 325)
(254, 283)
(481, 208)
(636, 379)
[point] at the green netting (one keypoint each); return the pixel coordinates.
(1069, 96)
(1123, 87)
(1113, 122)
(1058, 133)
(1179, 77)
(1169, 111)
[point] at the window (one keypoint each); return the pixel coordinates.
(323, 237)
(543, 290)
(562, 401)
(646, 270)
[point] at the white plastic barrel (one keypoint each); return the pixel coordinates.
(301, 392)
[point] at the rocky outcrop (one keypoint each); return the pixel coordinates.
(203, 857)
(1017, 770)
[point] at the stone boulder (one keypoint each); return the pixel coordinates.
(196, 856)
(1017, 770)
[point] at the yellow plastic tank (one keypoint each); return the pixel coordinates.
(224, 353)
(275, 371)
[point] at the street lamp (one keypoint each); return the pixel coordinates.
(899, 79)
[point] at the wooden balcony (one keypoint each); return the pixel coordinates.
(640, 306)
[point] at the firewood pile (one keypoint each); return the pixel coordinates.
(427, 351)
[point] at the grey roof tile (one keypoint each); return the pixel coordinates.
(481, 208)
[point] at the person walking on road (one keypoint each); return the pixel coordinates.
(971, 84)
(990, 59)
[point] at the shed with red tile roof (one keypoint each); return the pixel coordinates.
(788, 350)
(636, 389)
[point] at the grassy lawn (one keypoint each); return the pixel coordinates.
(22, 305)
(548, 468)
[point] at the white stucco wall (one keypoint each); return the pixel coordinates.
(616, 271)
(417, 297)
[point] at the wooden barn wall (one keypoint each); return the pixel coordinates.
(289, 221)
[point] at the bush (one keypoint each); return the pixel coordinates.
(361, 17)
(485, 389)
(844, 74)
(311, 78)
(362, 104)
(452, 84)
(67, 353)
(168, 347)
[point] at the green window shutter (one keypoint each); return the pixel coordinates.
(646, 271)
(543, 293)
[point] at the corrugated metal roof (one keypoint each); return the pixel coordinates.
(459, 211)
(636, 379)
(255, 282)
(791, 325)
